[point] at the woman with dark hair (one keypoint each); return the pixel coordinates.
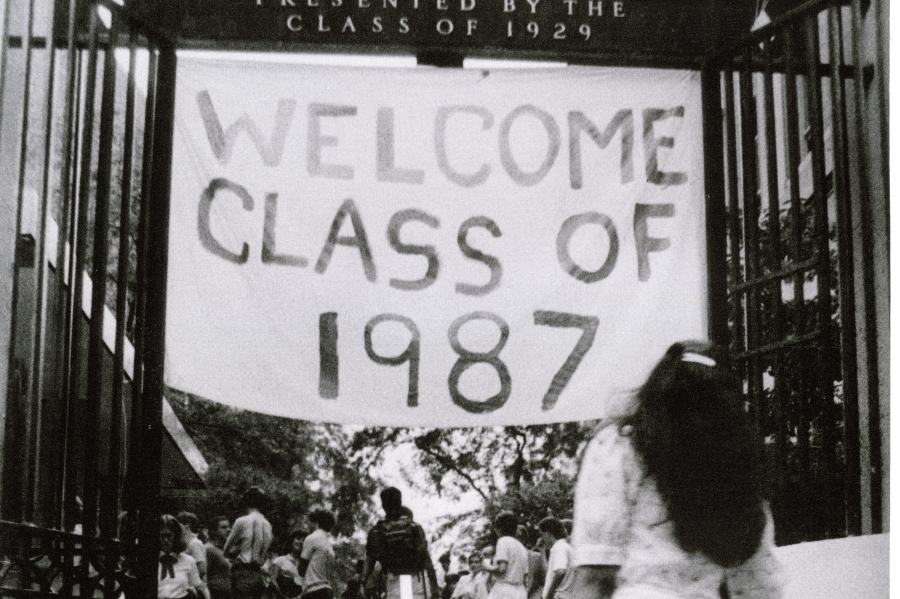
(669, 502)
(178, 574)
(510, 566)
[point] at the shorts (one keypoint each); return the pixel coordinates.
(394, 583)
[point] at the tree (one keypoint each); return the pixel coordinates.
(300, 465)
(530, 470)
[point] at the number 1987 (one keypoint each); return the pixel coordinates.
(329, 372)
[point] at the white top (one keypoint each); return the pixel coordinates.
(620, 519)
(515, 555)
(195, 548)
(186, 576)
(286, 565)
(250, 538)
(317, 549)
(560, 559)
(471, 586)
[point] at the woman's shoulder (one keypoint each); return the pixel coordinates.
(187, 558)
(612, 432)
(609, 451)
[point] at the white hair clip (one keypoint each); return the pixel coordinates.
(698, 358)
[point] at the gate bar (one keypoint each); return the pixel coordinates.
(749, 162)
(779, 395)
(113, 484)
(76, 403)
(823, 270)
(29, 411)
(716, 216)
(133, 488)
(157, 265)
(867, 244)
(846, 278)
(734, 222)
(99, 257)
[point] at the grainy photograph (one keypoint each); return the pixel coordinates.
(444, 299)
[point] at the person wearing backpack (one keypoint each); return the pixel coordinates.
(399, 545)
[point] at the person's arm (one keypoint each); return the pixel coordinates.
(432, 580)
(369, 566)
(302, 565)
(367, 570)
(306, 555)
(232, 548)
(196, 584)
(499, 567)
(555, 580)
(198, 551)
(500, 563)
(602, 519)
(426, 562)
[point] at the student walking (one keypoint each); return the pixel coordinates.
(669, 500)
(399, 545)
(218, 568)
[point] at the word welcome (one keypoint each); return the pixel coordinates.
(468, 118)
(359, 239)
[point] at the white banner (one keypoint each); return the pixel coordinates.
(431, 247)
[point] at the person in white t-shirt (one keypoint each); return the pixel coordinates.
(554, 534)
(247, 547)
(472, 585)
(195, 547)
(317, 558)
(510, 567)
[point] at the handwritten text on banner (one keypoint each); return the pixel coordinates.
(430, 247)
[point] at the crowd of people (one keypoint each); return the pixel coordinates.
(235, 560)
(669, 504)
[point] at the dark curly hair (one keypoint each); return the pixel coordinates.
(691, 431)
(506, 523)
(323, 519)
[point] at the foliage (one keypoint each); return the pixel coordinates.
(486, 460)
(527, 469)
(300, 465)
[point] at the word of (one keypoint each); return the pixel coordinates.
(644, 244)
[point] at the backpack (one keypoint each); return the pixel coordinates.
(400, 551)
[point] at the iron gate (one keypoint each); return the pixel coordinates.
(87, 157)
(785, 140)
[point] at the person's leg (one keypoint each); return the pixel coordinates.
(392, 586)
(419, 586)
